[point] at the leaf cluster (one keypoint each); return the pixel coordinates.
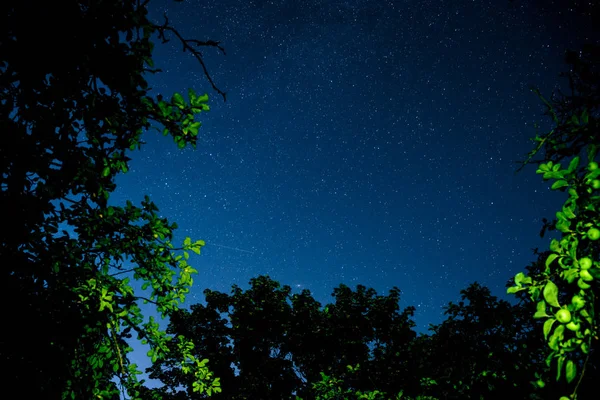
(73, 103)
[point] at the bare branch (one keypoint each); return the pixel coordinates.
(187, 45)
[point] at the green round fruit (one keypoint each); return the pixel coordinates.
(585, 275)
(563, 316)
(572, 326)
(593, 166)
(585, 263)
(593, 234)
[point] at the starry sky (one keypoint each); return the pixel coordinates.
(362, 142)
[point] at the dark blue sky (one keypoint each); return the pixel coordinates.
(363, 142)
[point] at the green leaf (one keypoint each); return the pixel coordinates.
(545, 167)
(563, 226)
(551, 294)
(559, 184)
(178, 100)
(559, 367)
(520, 279)
(187, 242)
(555, 246)
(556, 167)
(570, 371)
(106, 172)
(575, 120)
(541, 310)
(573, 164)
(165, 109)
(192, 96)
(585, 116)
(200, 100)
(548, 327)
(194, 128)
(591, 152)
(550, 259)
(570, 275)
(568, 210)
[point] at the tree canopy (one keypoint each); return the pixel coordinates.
(74, 101)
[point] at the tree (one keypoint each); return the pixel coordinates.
(480, 350)
(566, 291)
(267, 343)
(73, 101)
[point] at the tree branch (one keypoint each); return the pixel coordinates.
(187, 46)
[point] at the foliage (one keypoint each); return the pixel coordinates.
(73, 101)
(330, 388)
(268, 343)
(566, 290)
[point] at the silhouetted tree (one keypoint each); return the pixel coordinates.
(266, 343)
(73, 101)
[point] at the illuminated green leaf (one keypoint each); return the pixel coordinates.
(178, 100)
(541, 310)
(550, 259)
(548, 327)
(570, 371)
(551, 294)
(559, 184)
(573, 164)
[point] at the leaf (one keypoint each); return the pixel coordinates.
(559, 367)
(541, 310)
(164, 108)
(192, 96)
(575, 120)
(563, 226)
(545, 167)
(194, 127)
(570, 275)
(200, 100)
(591, 152)
(519, 278)
(178, 100)
(548, 327)
(106, 172)
(568, 210)
(556, 167)
(570, 371)
(187, 242)
(551, 294)
(550, 259)
(573, 164)
(585, 116)
(559, 184)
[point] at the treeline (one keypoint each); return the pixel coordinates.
(267, 343)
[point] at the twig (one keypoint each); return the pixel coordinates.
(187, 46)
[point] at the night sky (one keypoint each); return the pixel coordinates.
(362, 142)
